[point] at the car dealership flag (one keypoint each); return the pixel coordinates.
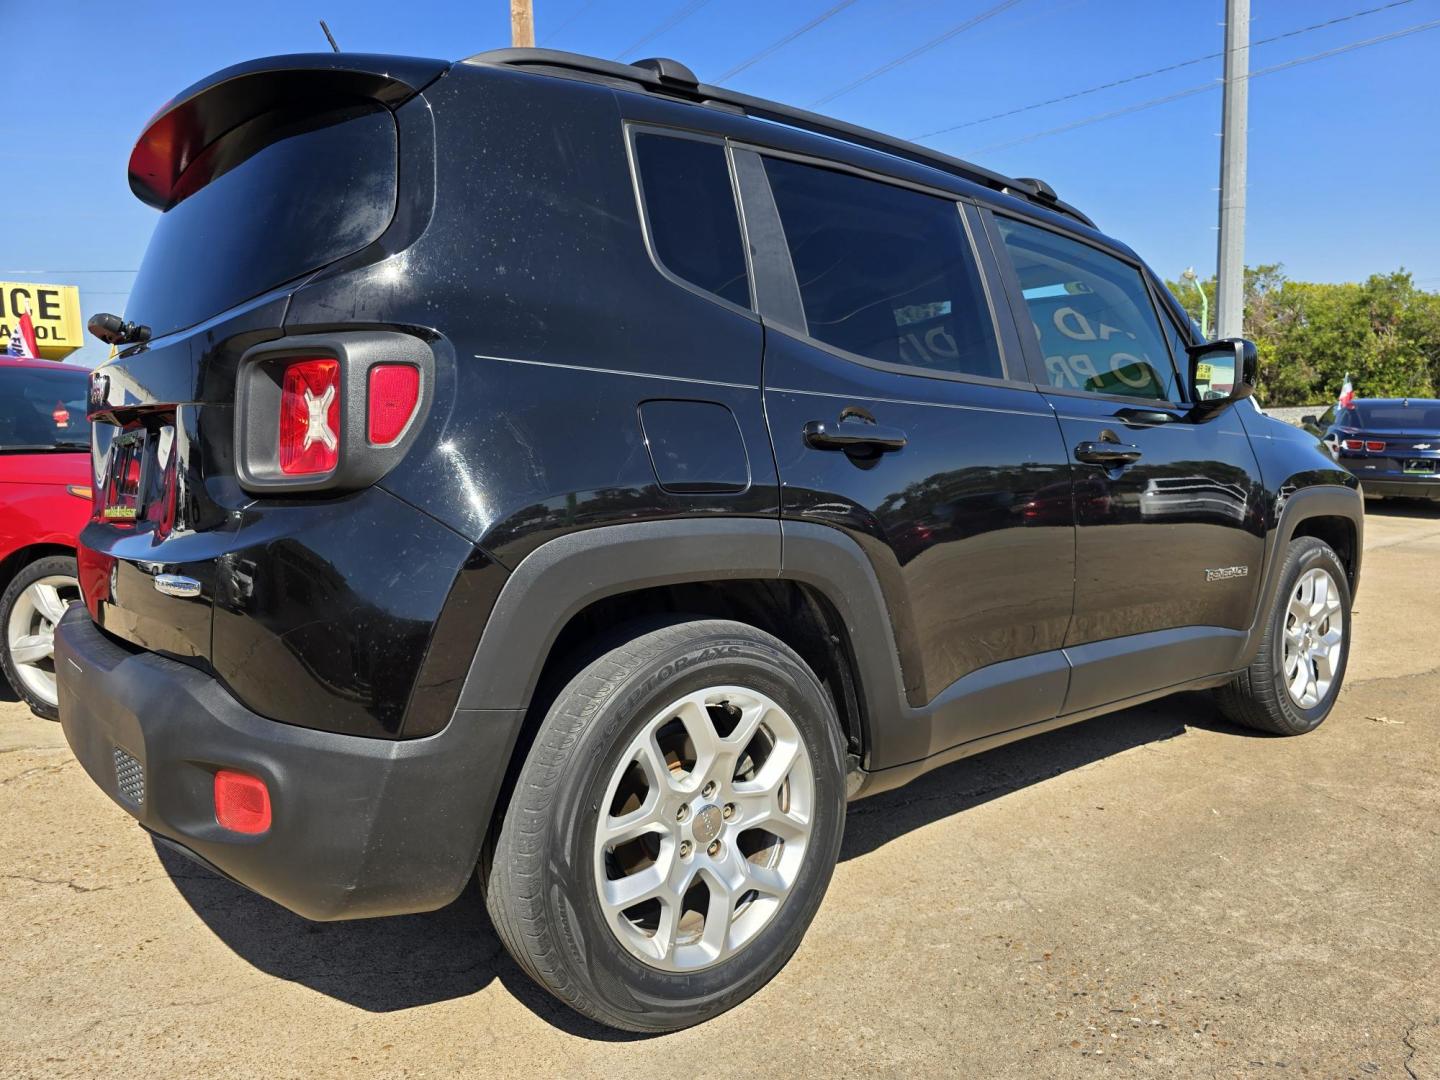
(1347, 393)
(22, 336)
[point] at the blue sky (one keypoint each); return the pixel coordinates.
(1344, 152)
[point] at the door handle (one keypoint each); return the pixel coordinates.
(1111, 455)
(851, 433)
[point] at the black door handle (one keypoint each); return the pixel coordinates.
(852, 433)
(1112, 455)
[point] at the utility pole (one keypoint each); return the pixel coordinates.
(1230, 289)
(522, 24)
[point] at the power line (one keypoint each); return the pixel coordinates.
(786, 40)
(1191, 91)
(669, 24)
(580, 10)
(976, 20)
(1160, 70)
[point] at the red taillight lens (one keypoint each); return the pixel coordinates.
(1353, 444)
(1374, 446)
(242, 802)
(310, 417)
(394, 389)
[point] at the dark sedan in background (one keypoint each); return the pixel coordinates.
(1391, 444)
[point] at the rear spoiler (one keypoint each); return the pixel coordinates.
(196, 117)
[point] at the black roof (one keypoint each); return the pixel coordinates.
(660, 75)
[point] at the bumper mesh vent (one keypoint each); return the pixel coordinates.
(130, 776)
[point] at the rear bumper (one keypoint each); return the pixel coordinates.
(361, 827)
(1420, 487)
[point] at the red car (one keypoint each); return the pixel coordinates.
(44, 503)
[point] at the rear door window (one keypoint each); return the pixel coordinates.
(278, 196)
(1092, 315)
(691, 214)
(885, 273)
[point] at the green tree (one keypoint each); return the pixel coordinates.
(1384, 333)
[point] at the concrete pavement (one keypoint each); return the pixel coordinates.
(1153, 893)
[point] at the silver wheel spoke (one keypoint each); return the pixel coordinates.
(46, 599)
(32, 647)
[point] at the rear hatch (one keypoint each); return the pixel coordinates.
(263, 174)
(1400, 437)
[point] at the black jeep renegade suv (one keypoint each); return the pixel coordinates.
(566, 470)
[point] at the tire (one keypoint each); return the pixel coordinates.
(29, 608)
(549, 873)
(1261, 697)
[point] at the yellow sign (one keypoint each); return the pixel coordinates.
(1202, 373)
(55, 311)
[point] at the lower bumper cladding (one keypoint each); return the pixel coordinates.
(357, 827)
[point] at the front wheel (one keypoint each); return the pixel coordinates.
(1291, 685)
(673, 828)
(29, 609)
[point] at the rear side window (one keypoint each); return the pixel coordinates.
(1092, 314)
(691, 213)
(274, 198)
(885, 272)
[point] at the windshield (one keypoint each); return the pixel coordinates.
(1416, 416)
(43, 410)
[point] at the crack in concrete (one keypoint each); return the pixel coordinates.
(1408, 1040)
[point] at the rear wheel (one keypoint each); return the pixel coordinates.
(29, 609)
(673, 828)
(1293, 682)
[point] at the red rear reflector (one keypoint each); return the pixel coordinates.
(1353, 444)
(394, 390)
(1374, 446)
(242, 802)
(310, 417)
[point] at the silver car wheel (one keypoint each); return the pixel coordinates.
(30, 633)
(1314, 636)
(704, 828)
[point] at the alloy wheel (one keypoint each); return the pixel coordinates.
(1314, 636)
(30, 632)
(704, 828)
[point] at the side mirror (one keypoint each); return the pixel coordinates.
(1222, 373)
(1310, 421)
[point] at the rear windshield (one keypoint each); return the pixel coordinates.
(43, 410)
(271, 200)
(1418, 415)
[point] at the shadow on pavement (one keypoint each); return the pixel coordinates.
(384, 965)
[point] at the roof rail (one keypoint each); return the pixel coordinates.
(672, 77)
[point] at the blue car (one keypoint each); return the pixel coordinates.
(1391, 444)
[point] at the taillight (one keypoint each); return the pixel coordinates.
(394, 391)
(1353, 444)
(310, 417)
(1374, 446)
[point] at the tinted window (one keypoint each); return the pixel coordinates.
(272, 199)
(1417, 416)
(1097, 327)
(885, 272)
(690, 207)
(43, 410)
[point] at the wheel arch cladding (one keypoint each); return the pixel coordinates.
(822, 599)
